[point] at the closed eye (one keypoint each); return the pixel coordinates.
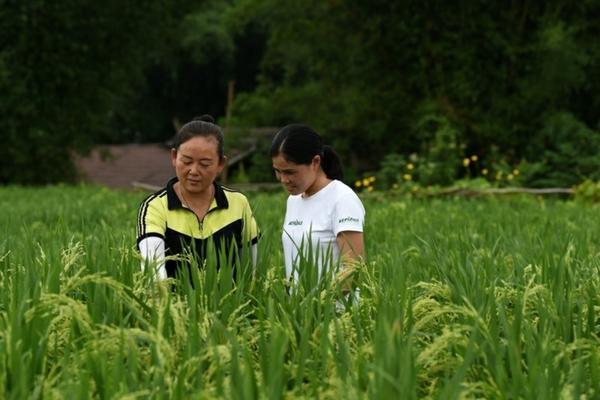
(284, 171)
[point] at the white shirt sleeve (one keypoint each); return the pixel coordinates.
(254, 254)
(348, 214)
(152, 250)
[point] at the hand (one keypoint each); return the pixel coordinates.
(159, 290)
(344, 278)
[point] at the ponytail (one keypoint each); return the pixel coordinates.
(332, 164)
(299, 144)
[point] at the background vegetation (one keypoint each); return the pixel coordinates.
(516, 84)
(460, 299)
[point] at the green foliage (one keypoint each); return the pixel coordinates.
(240, 175)
(65, 69)
(374, 77)
(437, 163)
(441, 150)
(450, 307)
(588, 191)
(568, 153)
(392, 167)
(207, 37)
(261, 166)
(443, 81)
(213, 45)
(475, 183)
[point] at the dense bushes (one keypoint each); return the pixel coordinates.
(515, 85)
(67, 69)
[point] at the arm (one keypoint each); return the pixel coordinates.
(251, 233)
(347, 221)
(254, 253)
(151, 225)
(351, 245)
(152, 250)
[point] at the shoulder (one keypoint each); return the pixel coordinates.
(155, 197)
(347, 201)
(232, 193)
(341, 187)
(342, 191)
(233, 196)
(153, 207)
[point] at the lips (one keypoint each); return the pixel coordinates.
(291, 190)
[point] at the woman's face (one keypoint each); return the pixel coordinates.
(197, 163)
(296, 178)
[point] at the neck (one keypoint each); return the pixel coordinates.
(320, 182)
(193, 200)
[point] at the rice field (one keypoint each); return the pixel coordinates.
(488, 298)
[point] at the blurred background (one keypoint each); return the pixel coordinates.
(504, 93)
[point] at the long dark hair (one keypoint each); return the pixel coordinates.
(299, 144)
(201, 126)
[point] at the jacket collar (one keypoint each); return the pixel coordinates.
(220, 200)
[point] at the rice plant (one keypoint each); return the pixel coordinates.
(462, 298)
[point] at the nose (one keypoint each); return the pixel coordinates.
(279, 176)
(284, 179)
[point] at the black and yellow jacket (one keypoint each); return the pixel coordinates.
(228, 222)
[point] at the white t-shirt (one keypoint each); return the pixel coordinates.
(320, 217)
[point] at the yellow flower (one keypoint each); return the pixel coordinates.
(366, 182)
(484, 171)
(358, 183)
(395, 186)
(466, 162)
(410, 166)
(371, 179)
(370, 189)
(474, 158)
(407, 177)
(510, 177)
(516, 172)
(498, 175)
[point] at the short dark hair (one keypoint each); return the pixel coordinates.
(299, 144)
(205, 126)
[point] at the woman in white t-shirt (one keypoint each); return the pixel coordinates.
(323, 214)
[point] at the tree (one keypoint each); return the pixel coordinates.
(367, 73)
(65, 69)
(212, 46)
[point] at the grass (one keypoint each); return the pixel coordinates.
(459, 299)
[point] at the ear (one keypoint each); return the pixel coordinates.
(173, 156)
(222, 163)
(316, 161)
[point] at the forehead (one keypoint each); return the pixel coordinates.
(281, 163)
(199, 146)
